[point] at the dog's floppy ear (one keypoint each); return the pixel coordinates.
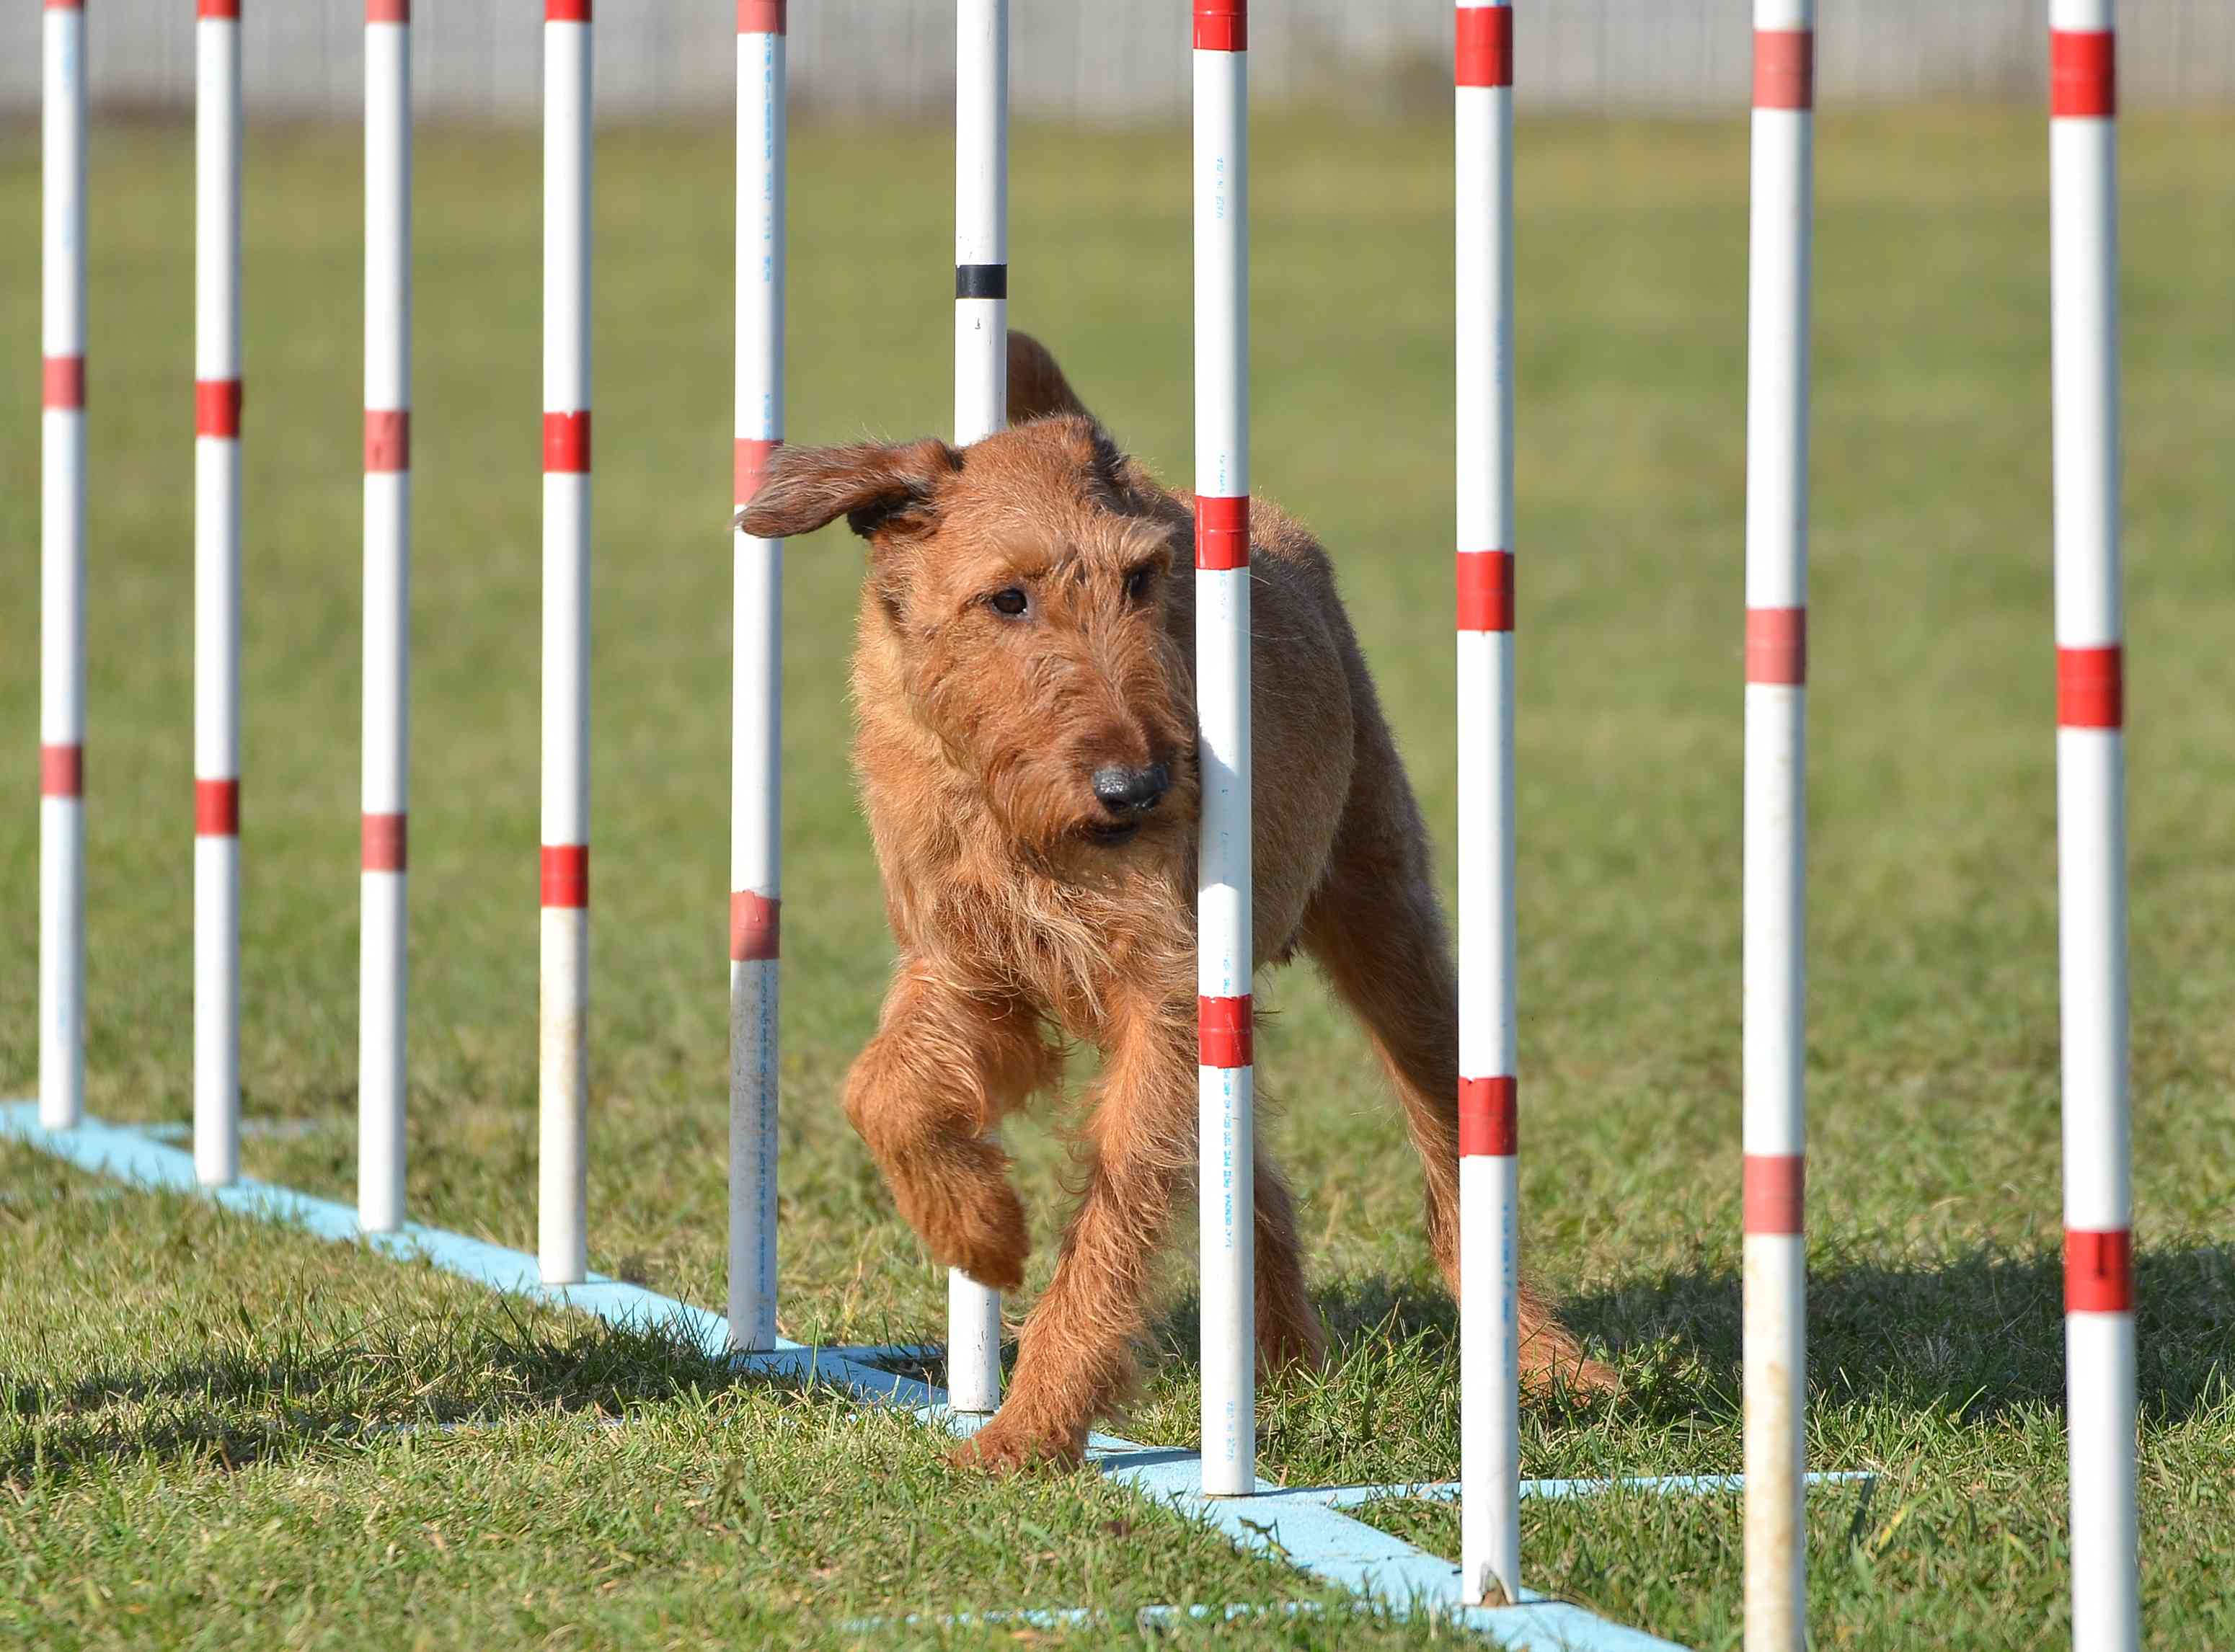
(879, 489)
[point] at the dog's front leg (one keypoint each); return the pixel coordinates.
(945, 1067)
(1075, 1362)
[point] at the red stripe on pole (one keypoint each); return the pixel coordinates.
(388, 10)
(566, 10)
(387, 440)
(1221, 531)
(383, 843)
(1777, 645)
(2083, 73)
(217, 407)
(217, 8)
(749, 465)
(1221, 25)
(65, 5)
(62, 378)
(217, 808)
(760, 17)
(1773, 1193)
(1485, 56)
(1784, 69)
(2091, 688)
(567, 442)
(1489, 1118)
(1485, 590)
(62, 771)
(2099, 1272)
(1223, 1027)
(755, 926)
(565, 874)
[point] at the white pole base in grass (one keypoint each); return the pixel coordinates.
(973, 1344)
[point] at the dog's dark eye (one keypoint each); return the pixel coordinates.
(1138, 582)
(1011, 602)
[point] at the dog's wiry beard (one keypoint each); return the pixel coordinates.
(1035, 797)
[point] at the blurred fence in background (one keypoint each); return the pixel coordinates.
(1124, 59)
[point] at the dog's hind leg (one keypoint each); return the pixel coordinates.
(926, 1093)
(1376, 927)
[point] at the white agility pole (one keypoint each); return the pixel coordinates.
(981, 407)
(757, 694)
(217, 591)
(62, 573)
(1224, 943)
(2099, 1319)
(1776, 709)
(1490, 1348)
(563, 1190)
(383, 837)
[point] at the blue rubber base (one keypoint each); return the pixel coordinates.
(1303, 1526)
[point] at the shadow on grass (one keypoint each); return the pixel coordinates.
(1969, 1335)
(262, 1393)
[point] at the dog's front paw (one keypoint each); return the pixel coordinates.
(1001, 1448)
(984, 1237)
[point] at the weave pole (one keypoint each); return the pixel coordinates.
(61, 569)
(1224, 957)
(217, 591)
(1490, 1348)
(563, 1196)
(2099, 1320)
(756, 691)
(385, 783)
(981, 407)
(1776, 713)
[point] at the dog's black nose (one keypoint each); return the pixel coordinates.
(1120, 789)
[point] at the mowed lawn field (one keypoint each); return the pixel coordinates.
(199, 1415)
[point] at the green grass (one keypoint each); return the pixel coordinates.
(195, 1413)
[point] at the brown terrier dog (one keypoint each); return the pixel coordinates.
(1024, 680)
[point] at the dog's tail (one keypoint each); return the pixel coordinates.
(1037, 386)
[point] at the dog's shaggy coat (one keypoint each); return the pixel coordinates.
(1024, 683)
